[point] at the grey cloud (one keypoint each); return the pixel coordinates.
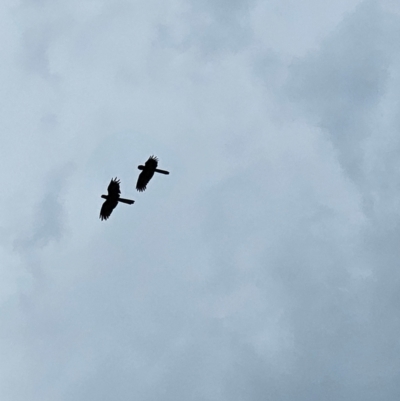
(48, 225)
(213, 28)
(48, 220)
(341, 85)
(342, 88)
(36, 45)
(252, 271)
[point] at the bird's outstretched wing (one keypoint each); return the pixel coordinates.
(113, 188)
(143, 180)
(147, 173)
(107, 208)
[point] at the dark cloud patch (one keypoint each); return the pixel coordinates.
(49, 216)
(48, 222)
(341, 85)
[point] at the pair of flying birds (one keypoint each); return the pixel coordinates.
(114, 192)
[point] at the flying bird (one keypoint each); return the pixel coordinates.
(112, 199)
(148, 170)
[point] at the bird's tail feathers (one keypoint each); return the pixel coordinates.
(128, 201)
(162, 171)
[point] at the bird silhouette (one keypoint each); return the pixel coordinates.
(148, 170)
(112, 199)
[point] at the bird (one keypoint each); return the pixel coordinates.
(112, 199)
(147, 173)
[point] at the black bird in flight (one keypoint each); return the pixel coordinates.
(147, 173)
(112, 199)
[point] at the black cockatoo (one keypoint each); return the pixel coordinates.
(147, 173)
(112, 199)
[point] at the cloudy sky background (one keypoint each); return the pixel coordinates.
(266, 266)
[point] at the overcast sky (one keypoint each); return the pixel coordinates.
(266, 266)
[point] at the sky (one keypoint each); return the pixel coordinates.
(266, 265)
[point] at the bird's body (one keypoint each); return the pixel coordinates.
(148, 170)
(112, 199)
